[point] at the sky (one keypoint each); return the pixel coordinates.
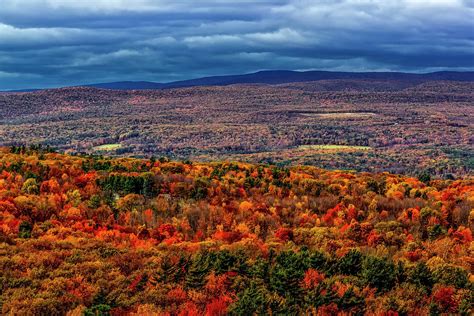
(52, 43)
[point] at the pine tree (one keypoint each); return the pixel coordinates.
(198, 269)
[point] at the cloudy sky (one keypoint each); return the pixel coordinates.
(48, 43)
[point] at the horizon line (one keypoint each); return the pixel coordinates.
(92, 84)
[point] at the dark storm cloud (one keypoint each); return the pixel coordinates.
(65, 42)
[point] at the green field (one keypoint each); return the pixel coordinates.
(341, 115)
(107, 147)
(333, 147)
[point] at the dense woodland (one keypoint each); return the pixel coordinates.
(409, 126)
(88, 235)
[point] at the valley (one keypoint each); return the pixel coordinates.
(363, 125)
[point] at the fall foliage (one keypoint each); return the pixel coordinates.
(397, 126)
(88, 235)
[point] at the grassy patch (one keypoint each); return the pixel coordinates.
(334, 147)
(341, 115)
(107, 147)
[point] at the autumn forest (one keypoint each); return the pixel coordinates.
(398, 126)
(93, 235)
(236, 158)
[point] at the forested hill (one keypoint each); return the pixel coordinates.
(273, 77)
(101, 236)
(365, 125)
(286, 76)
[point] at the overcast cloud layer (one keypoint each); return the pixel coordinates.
(46, 43)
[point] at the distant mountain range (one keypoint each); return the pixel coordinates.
(281, 77)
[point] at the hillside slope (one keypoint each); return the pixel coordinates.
(365, 125)
(93, 235)
(286, 76)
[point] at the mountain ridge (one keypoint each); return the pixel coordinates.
(288, 76)
(277, 77)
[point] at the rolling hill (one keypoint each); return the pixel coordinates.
(273, 77)
(358, 124)
(287, 76)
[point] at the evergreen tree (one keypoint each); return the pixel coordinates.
(378, 272)
(421, 276)
(351, 263)
(198, 269)
(287, 274)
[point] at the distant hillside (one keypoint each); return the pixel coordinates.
(286, 76)
(274, 77)
(401, 126)
(128, 85)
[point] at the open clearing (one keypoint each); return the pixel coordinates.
(341, 115)
(333, 147)
(107, 147)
